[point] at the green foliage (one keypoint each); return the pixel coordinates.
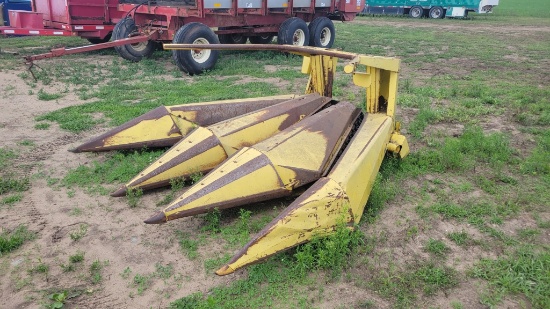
(133, 196)
(539, 160)
(267, 285)
(117, 168)
(42, 126)
(12, 199)
(44, 96)
(58, 300)
(77, 257)
(404, 286)
(126, 273)
(212, 221)
(41, 268)
(435, 278)
(176, 184)
(141, 283)
(331, 252)
(96, 271)
(188, 246)
(164, 272)
(10, 241)
(81, 232)
(196, 177)
(459, 238)
(523, 272)
(462, 153)
(437, 247)
(6, 155)
(13, 185)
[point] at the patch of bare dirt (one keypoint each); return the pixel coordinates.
(114, 233)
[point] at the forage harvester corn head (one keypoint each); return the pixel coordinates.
(263, 148)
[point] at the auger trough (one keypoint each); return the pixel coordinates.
(258, 149)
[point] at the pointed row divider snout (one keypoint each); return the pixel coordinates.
(339, 198)
(294, 157)
(205, 148)
(166, 125)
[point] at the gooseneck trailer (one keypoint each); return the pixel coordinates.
(429, 8)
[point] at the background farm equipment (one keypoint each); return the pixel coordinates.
(13, 5)
(135, 28)
(268, 152)
(90, 19)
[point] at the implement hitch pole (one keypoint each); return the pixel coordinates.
(58, 52)
(377, 74)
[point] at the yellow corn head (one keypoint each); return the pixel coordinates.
(272, 146)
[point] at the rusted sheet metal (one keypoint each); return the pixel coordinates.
(166, 125)
(338, 198)
(272, 168)
(205, 148)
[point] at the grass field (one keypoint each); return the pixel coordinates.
(462, 222)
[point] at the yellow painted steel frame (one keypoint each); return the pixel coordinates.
(379, 79)
(343, 193)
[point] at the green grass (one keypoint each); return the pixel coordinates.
(44, 96)
(119, 167)
(11, 199)
(77, 257)
(12, 240)
(188, 245)
(437, 247)
(525, 271)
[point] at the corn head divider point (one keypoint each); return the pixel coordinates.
(264, 151)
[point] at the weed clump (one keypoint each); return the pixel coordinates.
(10, 241)
(330, 253)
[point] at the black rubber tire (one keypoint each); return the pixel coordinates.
(265, 39)
(134, 52)
(186, 60)
(233, 38)
(106, 39)
(321, 32)
(293, 31)
(416, 12)
(436, 12)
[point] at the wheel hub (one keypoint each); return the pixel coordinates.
(325, 36)
(299, 38)
(201, 55)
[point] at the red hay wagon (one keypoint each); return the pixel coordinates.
(141, 24)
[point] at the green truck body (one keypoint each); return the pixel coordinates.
(429, 8)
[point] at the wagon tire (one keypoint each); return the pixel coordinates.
(416, 12)
(293, 31)
(436, 12)
(134, 52)
(261, 39)
(321, 32)
(195, 61)
(106, 39)
(232, 38)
